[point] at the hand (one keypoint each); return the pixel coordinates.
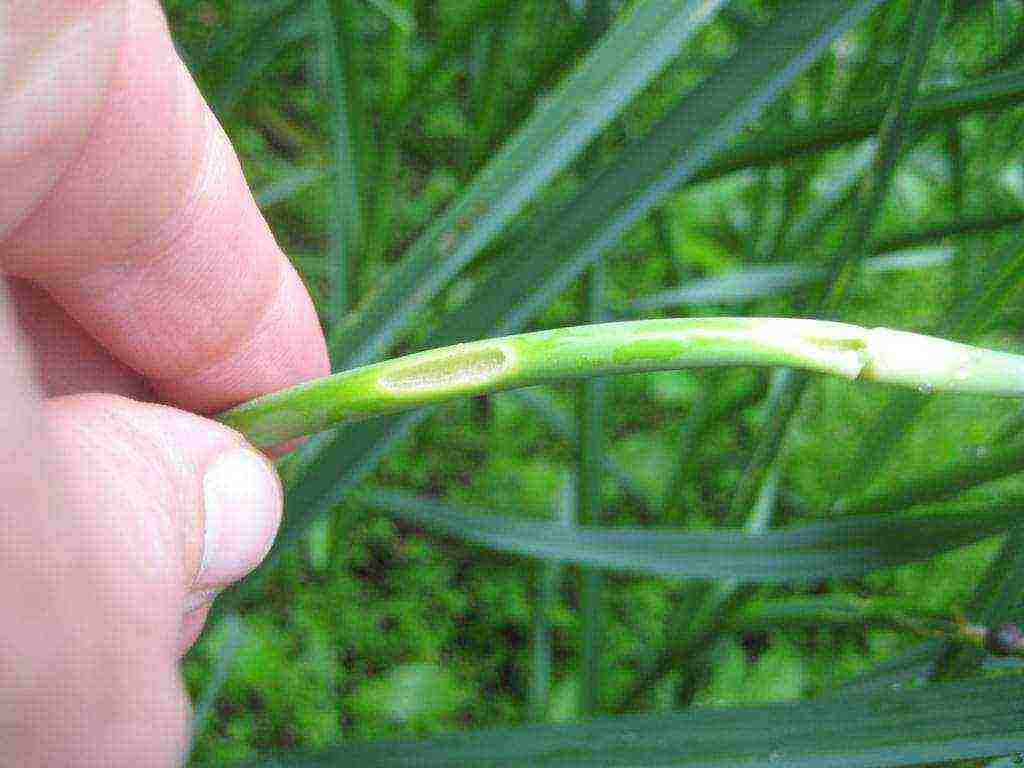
(141, 272)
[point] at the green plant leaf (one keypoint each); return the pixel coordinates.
(924, 234)
(923, 22)
(288, 185)
(234, 630)
(758, 282)
(589, 466)
(842, 548)
(941, 722)
(996, 599)
(548, 576)
(337, 20)
(780, 145)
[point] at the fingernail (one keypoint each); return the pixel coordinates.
(242, 507)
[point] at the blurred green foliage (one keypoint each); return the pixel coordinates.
(369, 628)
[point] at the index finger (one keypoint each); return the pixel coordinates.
(149, 236)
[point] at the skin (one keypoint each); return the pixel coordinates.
(145, 292)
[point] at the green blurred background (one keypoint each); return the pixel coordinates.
(369, 627)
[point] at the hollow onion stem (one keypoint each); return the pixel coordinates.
(481, 367)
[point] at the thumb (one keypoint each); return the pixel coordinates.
(190, 498)
(196, 505)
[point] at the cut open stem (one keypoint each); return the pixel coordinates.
(480, 367)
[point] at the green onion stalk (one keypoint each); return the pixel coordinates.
(475, 368)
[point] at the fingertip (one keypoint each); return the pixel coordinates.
(287, 347)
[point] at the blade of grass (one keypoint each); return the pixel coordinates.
(337, 21)
(488, 92)
(453, 41)
(221, 670)
(548, 578)
(590, 418)
(796, 555)
(923, 24)
(772, 147)
(811, 612)
(592, 454)
(631, 54)
(937, 723)
(957, 169)
(383, 180)
(759, 282)
(997, 600)
(714, 404)
(287, 186)
(936, 232)
(690, 634)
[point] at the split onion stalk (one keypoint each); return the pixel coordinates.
(480, 367)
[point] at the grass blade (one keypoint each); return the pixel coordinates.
(773, 147)
(965, 320)
(932, 233)
(288, 185)
(690, 635)
(225, 660)
(757, 282)
(811, 551)
(338, 37)
(548, 576)
(590, 417)
(591, 454)
(941, 722)
(996, 599)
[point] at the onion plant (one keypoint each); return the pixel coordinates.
(426, 378)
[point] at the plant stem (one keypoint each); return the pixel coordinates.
(481, 367)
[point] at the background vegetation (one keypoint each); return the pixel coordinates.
(438, 173)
